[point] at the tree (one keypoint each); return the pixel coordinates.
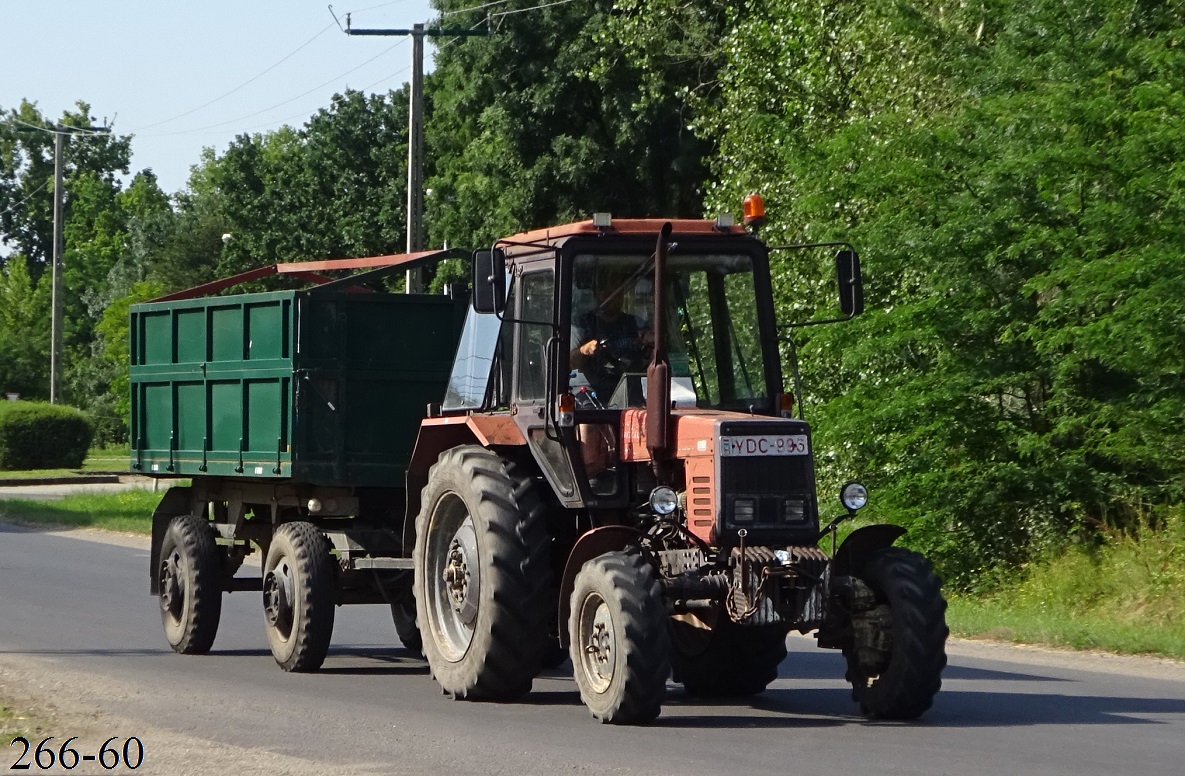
(543, 123)
(24, 331)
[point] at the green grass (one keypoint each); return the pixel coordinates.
(15, 723)
(128, 511)
(1127, 595)
(98, 459)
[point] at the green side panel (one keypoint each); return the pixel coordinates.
(191, 422)
(226, 416)
(266, 333)
(265, 412)
(226, 333)
(191, 336)
(158, 410)
(156, 339)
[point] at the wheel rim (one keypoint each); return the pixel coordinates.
(172, 591)
(454, 576)
(277, 598)
(598, 653)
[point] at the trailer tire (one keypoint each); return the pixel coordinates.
(908, 673)
(298, 596)
(189, 573)
(403, 614)
(482, 576)
(727, 661)
(617, 639)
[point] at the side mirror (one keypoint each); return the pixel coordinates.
(851, 289)
(489, 280)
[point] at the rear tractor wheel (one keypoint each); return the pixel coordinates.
(482, 576)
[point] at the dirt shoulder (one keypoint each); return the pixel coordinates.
(52, 700)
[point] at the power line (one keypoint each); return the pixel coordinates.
(474, 8)
(249, 81)
(532, 8)
(29, 196)
(380, 5)
(63, 129)
(303, 114)
(197, 130)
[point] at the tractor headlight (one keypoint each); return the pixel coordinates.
(663, 500)
(854, 496)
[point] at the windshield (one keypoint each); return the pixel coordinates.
(713, 339)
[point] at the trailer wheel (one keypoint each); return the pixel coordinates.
(726, 659)
(189, 574)
(298, 596)
(482, 576)
(403, 614)
(895, 665)
(618, 639)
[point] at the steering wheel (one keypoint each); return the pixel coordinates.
(614, 361)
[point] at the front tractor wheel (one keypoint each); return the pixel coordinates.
(899, 625)
(298, 596)
(189, 576)
(618, 639)
(482, 576)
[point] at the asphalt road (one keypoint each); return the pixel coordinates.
(76, 613)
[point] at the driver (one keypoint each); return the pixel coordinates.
(607, 341)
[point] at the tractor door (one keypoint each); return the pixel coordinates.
(534, 379)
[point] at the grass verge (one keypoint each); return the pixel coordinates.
(128, 511)
(1126, 595)
(98, 459)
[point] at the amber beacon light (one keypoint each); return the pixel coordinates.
(754, 210)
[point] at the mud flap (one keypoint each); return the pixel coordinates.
(849, 560)
(176, 502)
(610, 538)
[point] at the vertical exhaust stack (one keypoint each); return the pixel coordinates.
(658, 374)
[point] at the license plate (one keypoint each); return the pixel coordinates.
(764, 444)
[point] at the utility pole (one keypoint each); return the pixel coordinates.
(414, 283)
(55, 326)
(60, 133)
(415, 135)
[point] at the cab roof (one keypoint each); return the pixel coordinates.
(623, 226)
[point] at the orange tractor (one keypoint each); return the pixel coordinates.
(614, 473)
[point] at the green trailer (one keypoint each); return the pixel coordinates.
(293, 415)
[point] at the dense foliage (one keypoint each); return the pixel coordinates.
(1011, 172)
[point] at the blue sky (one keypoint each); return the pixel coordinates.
(178, 75)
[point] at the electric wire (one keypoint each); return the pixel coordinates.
(66, 130)
(197, 130)
(249, 81)
(474, 8)
(380, 5)
(532, 8)
(29, 196)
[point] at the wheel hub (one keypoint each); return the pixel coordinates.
(172, 597)
(600, 658)
(277, 598)
(461, 575)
